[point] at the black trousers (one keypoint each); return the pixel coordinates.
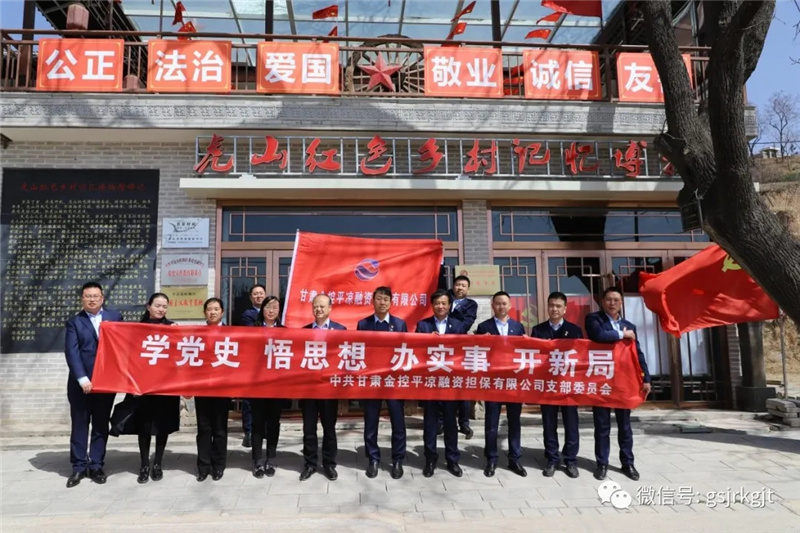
(88, 450)
(602, 435)
(266, 423)
(433, 409)
(212, 433)
(326, 411)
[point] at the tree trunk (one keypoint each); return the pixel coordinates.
(710, 150)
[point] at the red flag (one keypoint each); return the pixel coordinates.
(552, 17)
(466, 11)
(187, 28)
(708, 289)
(538, 34)
(584, 8)
(179, 9)
(326, 12)
(349, 269)
(334, 32)
(458, 30)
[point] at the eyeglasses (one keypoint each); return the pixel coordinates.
(92, 297)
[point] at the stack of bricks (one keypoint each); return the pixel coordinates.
(788, 411)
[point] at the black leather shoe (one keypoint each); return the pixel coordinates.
(330, 472)
(270, 470)
(631, 472)
(489, 470)
(572, 470)
(258, 472)
(468, 433)
(600, 472)
(307, 472)
(144, 475)
(217, 475)
(98, 476)
(454, 469)
(430, 468)
(201, 476)
(549, 470)
(397, 470)
(372, 469)
(156, 474)
(247, 441)
(75, 478)
(517, 468)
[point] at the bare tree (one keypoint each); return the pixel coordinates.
(760, 124)
(782, 116)
(708, 145)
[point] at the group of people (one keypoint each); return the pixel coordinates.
(453, 313)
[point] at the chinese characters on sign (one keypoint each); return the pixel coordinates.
(189, 66)
(431, 157)
(61, 228)
(562, 75)
(463, 72)
(360, 364)
(186, 302)
(80, 65)
(638, 79)
(309, 68)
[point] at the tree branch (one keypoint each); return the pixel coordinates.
(755, 35)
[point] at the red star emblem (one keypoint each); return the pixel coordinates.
(381, 72)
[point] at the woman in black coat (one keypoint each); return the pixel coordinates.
(212, 416)
(155, 415)
(266, 411)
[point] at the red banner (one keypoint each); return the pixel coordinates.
(246, 362)
(349, 269)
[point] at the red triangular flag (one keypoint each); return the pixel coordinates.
(458, 30)
(466, 11)
(179, 9)
(326, 12)
(186, 28)
(552, 17)
(584, 8)
(538, 34)
(708, 289)
(334, 32)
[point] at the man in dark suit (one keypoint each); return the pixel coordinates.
(609, 326)
(383, 321)
(325, 410)
(464, 310)
(558, 328)
(250, 318)
(82, 335)
(502, 324)
(441, 323)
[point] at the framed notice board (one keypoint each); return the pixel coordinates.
(60, 228)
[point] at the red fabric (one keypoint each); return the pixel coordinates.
(458, 30)
(466, 11)
(349, 269)
(708, 289)
(538, 34)
(552, 17)
(178, 18)
(584, 8)
(326, 12)
(243, 362)
(186, 28)
(334, 32)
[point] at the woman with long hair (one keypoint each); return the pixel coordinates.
(212, 415)
(156, 416)
(266, 411)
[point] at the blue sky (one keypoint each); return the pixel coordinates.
(775, 71)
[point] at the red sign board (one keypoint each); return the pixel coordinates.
(189, 66)
(463, 72)
(638, 79)
(80, 65)
(562, 75)
(301, 68)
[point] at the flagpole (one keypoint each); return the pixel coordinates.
(781, 322)
(161, 19)
(291, 272)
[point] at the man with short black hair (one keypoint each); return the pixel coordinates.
(324, 410)
(464, 310)
(441, 323)
(381, 320)
(502, 324)
(87, 407)
(559, 328)
(250, 318)
(609, 326)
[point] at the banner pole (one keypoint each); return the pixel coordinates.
(291, 275)
(781, 322)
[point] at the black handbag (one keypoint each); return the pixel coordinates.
(123, 419)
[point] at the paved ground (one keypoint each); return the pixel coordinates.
(689, 483)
